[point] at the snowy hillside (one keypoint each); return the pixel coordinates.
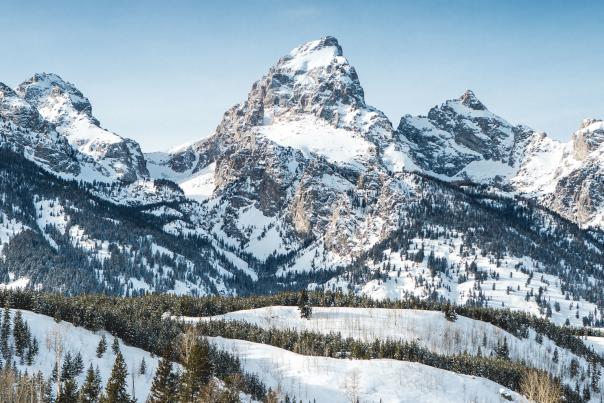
(517, 283)
(78, 340)
(427, 328)
(338, 380)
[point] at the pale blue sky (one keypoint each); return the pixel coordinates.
(164, 72)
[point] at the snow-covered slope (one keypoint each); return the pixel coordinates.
(429, 329)
(75, 339)
(339, 380)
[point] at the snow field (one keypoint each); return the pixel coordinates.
(339, 381)
(430, 329)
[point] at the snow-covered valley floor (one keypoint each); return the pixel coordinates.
(336, 380)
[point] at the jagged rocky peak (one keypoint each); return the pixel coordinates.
(56, 99)
(319, 78)
(314, 54)
(470, 100)
(313, 78)
(313, 85)
(18, 111)
(460, 133)
(63, 105)
(588, 138)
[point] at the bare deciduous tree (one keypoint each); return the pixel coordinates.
(54, 343)
(539, 387)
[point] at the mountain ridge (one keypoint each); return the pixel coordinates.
(304, 184)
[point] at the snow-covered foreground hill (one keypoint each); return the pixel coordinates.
(430, 329)
(338, 380)
(76, 339)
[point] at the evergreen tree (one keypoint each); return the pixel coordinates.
(198, 370)
(573, 368)
(502, 349)
(115, 346)
(67, 369)
(304, 305)
(555, 357)
(102, 347)
(78, 364)
(4, 333)
(91, 388)
(20, 334)
(596, 373)
(69, 392)
(449, 310)
(115, 391)
(163, 388)
(143, 367)
(32, 350)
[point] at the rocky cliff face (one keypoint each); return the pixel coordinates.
(24, 130)
(298, 162)
(578, 185)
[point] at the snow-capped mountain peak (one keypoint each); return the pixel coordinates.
(470, 100)
(63, 105)
(314, 54)
(55, 98)
(461, 139)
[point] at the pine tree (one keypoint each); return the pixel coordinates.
(573, 368)
(69, 392)
(115, 347)
(78, 364)
(4, 333)
(20, 334)
(102, 347)
(143, 367)
(502, 349)
(450, 314)
(596, 373)
(304, 305)
(91, 388)
(198, 370)
(67, 370)
(555, 358)
(163, 388)
(32, 350)
(115, 391)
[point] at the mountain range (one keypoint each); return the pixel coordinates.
(303, 184)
